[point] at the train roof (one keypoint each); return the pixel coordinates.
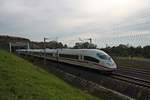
(75, 50)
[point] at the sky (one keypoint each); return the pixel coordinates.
(110, 22)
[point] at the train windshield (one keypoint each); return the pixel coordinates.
(103, 56)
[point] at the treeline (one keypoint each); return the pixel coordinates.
(128, 51)
(55, 44)
(50, 45)
(121, 50)
(84, 45)
(7, 39)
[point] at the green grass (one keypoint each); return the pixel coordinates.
(135, 62)
(21, 80)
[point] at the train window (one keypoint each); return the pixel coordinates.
(69, 56)
(35, 53)
(88, 58)
(49, 54)
(102, 56)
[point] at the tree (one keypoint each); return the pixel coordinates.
(146, 51)
(65, 46)
(84, 45)
(138, 51)
(125, 50)
(51, 45)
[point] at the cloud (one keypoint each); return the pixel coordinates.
(71, 19)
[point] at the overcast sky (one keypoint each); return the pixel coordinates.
(105, 21)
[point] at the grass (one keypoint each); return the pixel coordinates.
(21, 80)
(136, 62)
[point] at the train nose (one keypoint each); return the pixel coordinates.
(111, 64)
(114, 66)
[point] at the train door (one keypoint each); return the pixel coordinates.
(81, 56)
(57, 55)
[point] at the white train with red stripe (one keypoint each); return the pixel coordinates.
(90, 58)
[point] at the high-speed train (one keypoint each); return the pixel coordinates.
(90, 58)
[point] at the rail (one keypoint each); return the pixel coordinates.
(131, 79)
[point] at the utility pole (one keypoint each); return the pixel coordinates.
(10, 49)
(57, 51)
(56, 42)
(90, 39)
(82, 40)
(28, 45)
(45, 50)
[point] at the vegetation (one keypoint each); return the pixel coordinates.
(20, 80)
(50, 44)
(7, 39)
(121, 50)
(84, 45)
(136, 62)
(128, 56)
(128, 51)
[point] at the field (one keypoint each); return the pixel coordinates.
(21, 80)
(135, 62)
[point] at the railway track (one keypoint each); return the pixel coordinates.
(132, 80)
(141, 74)
(137, 70)
(122, 77)
(105, 80)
